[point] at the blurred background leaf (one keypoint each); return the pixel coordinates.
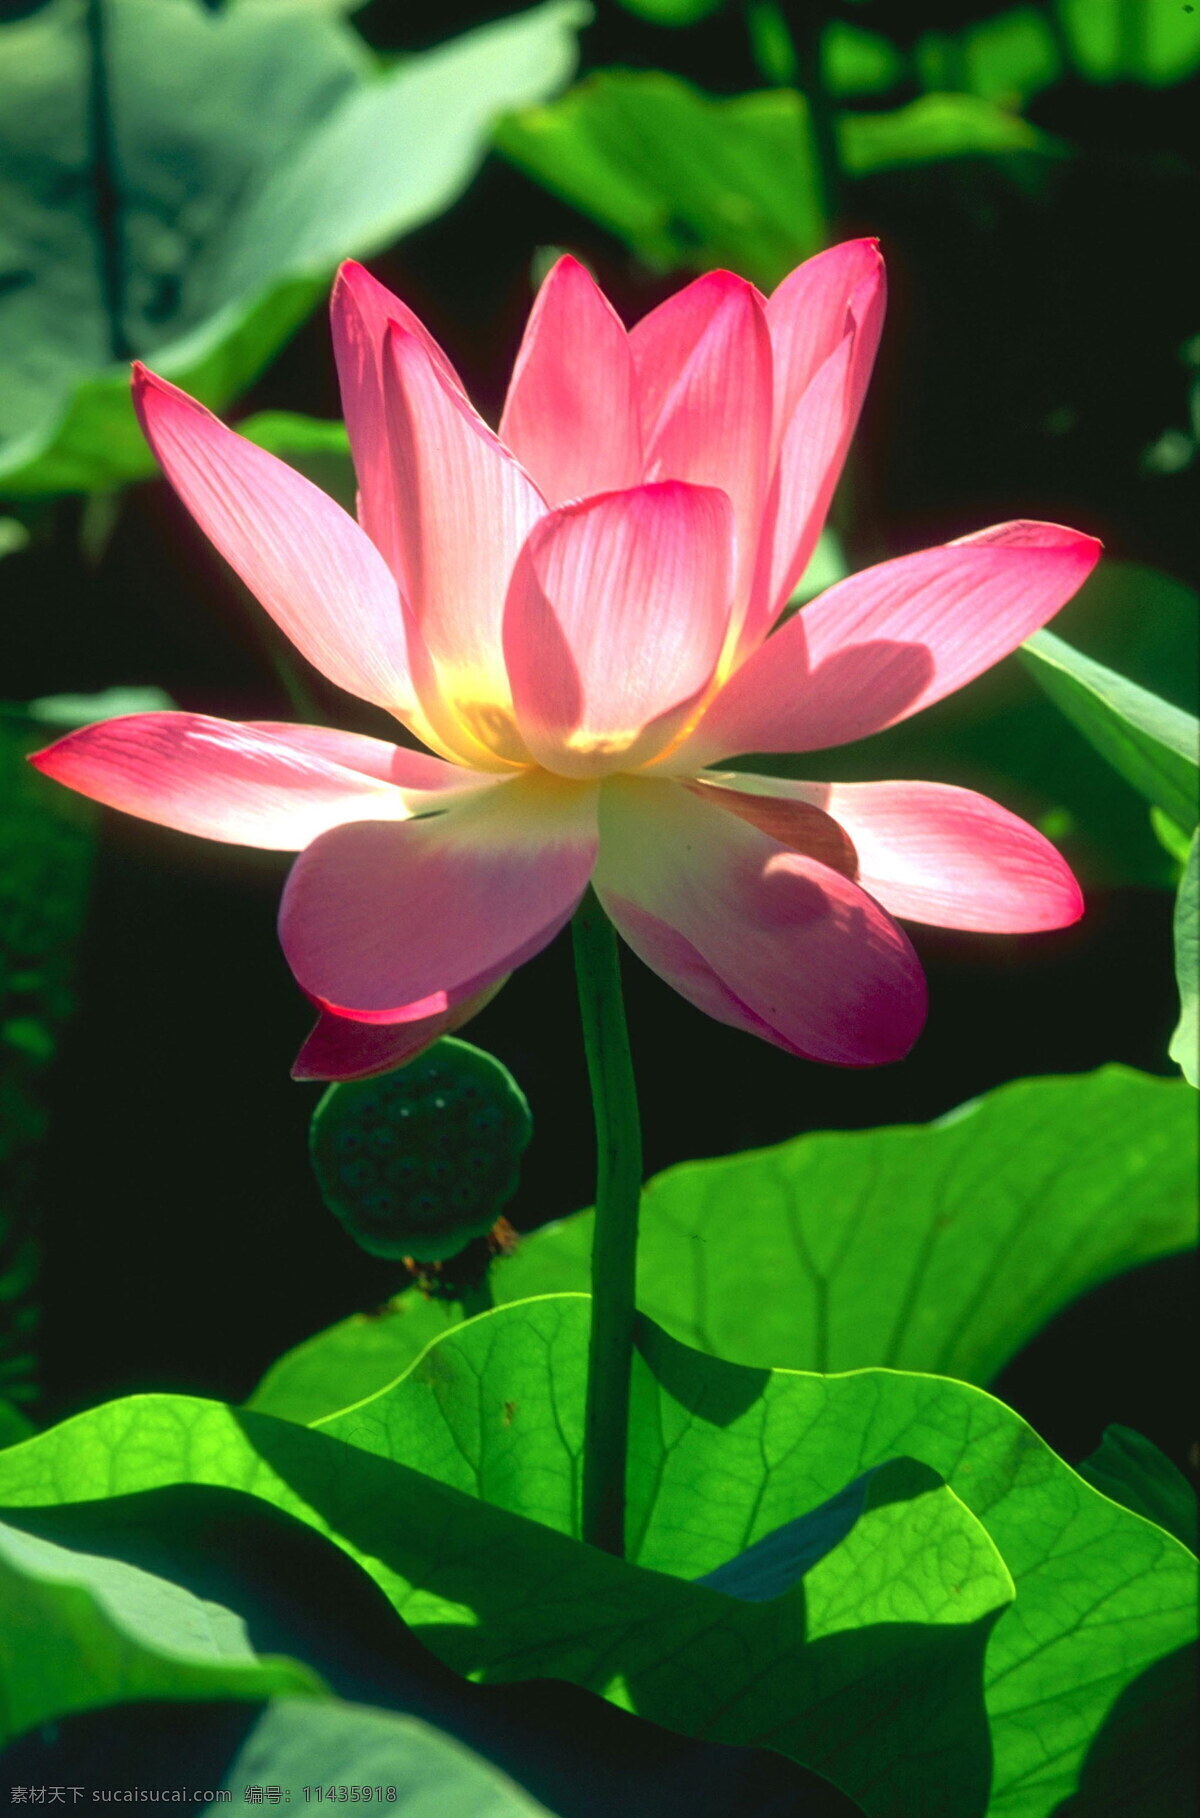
(1153, 745)
(1156, 748)
(691, 181)
(672, 12)
(187, 200)
(320, 449)
(1131, 40)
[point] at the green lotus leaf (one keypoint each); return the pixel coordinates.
(457, 1490)
(252, 149)
(78, 1632)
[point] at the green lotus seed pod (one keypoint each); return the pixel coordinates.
(420, 1161)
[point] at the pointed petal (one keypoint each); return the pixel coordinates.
(299, 553)
(756, 934)
(703, 361)
(375, 918)
(665, 339)
(811, 313)
(825, 321)
(571, 416)
(929, 852)
(885, 643)
(361, 311)
(337, 1048)
(934, 853)
(465, 509)
(615, 620)
(250, 785)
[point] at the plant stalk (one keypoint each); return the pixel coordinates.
(478, 1299)
(105, 192)
(614, 1247)
(806, 22)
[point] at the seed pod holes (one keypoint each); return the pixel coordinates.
(420, 1161)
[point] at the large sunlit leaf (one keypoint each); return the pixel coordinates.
(1152, 744)
(943, 1246)
(488, 1425)
(254, 148)
(1185, 1042)
(885, 1635)
(1142, 1763)
(78, 1632)
(690, 181)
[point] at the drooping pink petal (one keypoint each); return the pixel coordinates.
(250, 785)
(754, 933)
(616, 618)
(571, 416)
(882, 644)
(361, 311)
(706, 397)
(825, 325)
(929, 852)
(375, 918)
(465, 508)
(320, 578)
(337, 1048)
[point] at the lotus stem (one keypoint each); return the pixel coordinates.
(614, 1246)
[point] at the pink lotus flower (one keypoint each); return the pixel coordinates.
(573, 615)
